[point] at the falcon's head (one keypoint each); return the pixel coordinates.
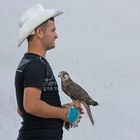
(64, 75)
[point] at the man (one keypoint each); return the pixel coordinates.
(36, 88)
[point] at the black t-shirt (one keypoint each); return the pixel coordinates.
(35, 71)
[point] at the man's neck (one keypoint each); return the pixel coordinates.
(36, 49)
(36, 52)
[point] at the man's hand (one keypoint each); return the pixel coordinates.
(74, 115)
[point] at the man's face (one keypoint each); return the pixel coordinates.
(49, 35)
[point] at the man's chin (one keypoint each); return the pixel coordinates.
(52, 47)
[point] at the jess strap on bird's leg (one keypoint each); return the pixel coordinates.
(76, 103)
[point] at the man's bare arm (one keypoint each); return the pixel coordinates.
(35, 106)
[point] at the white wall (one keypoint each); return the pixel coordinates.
(99, 45)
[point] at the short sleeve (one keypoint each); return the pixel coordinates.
(34, 75)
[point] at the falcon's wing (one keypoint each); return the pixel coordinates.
(75, 91)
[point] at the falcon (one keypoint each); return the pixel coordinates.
(76, 93)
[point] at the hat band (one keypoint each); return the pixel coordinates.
(33, 32)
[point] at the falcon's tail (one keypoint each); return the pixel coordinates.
(88, 112)
(94, 103)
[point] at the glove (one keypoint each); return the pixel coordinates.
(73, 114)
(70, 124)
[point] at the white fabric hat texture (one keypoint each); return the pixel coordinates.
(32, 18)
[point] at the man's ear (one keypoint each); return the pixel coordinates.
(39, 32)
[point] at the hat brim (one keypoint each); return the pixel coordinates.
(34, 22)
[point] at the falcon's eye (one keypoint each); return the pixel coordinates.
(63, 74)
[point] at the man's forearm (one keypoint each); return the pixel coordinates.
(44, 110)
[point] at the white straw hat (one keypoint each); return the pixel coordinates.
(32, 18)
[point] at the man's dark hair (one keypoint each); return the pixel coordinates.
(30, 37)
